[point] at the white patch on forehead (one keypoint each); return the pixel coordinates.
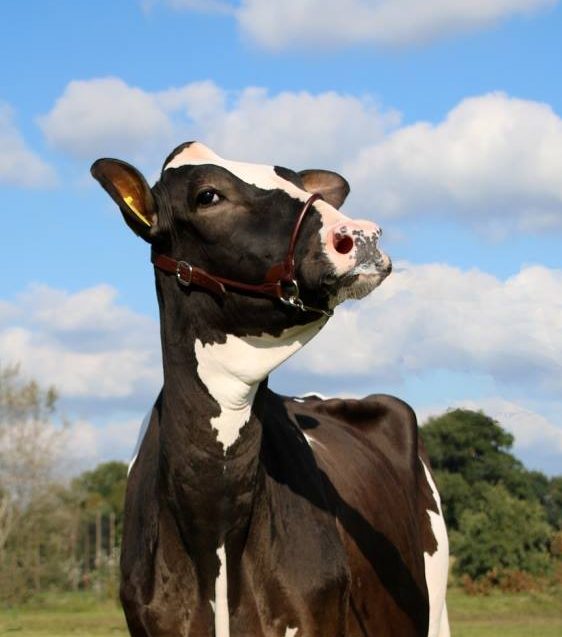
(437, 566)
(222, 619)
(259, 175)
(232, 371)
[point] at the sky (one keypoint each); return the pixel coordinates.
(444, 115)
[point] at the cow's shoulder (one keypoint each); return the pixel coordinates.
(379, 420)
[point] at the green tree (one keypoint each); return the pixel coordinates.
(456, 496)
(471, 444)
(501, 532)
(553, 502)
(102, 491)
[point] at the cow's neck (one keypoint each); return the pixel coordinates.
(232, 372)
(213, 398)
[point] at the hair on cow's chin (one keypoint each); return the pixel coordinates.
(355, 290)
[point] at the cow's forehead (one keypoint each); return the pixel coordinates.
(260, 175)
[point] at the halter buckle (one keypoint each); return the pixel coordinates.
(185, 282)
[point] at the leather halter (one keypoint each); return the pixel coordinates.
(280, 282)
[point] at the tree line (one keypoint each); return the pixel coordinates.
(505, 522)
(55, 532)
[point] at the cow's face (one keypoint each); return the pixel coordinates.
(235, 220)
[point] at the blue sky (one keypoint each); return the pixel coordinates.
(445, 118)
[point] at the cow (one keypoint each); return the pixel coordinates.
(248, 513)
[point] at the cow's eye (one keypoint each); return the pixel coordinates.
(208, 197)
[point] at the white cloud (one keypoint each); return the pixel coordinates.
(529, 428)
(298, 129)
(104, 117)
(19, 165)
(438, 317)
(88, 444)
(537, 439)
(85, 344)
(282, 24)
(496, 161)
(106, 357)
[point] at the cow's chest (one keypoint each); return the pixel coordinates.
(291, 578)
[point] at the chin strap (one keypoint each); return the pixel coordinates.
(280, 282)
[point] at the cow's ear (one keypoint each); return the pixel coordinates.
(333, 187)
(128, 188)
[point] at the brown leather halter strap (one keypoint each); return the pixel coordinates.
(280, 281)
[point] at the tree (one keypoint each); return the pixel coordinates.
(456, 496)
(553, 502)
(33, 523)
(467, 449)
(108, 481)
(101, 492)
(471, 444)
(501, 533)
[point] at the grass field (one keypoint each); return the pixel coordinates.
(82, 615)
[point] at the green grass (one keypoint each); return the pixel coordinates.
(64, 614)
(495, 615)
(505, 614)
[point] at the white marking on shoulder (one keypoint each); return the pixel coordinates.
(232, 372)
(260, 175)
(142, 433)
(310, 440)
(313, 394)
(222, 617)
(437, 567)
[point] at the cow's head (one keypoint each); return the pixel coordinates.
(235, 220)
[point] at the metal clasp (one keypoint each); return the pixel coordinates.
(290, 292)
(291, 296)
(189, 268)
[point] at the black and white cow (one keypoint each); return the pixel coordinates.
(250, 514)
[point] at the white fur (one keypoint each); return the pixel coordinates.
(311, 394)
(222, 621)
(142, 433)
(232, 371)
(437, 568)
(310, 440)
(290, 632)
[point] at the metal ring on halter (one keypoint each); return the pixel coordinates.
(189, 268)
(290, 292)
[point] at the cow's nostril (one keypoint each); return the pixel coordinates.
(343, 243)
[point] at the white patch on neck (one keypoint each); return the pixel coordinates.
(437, 567)
(290, 632)
(232, 372)
(222, 619)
